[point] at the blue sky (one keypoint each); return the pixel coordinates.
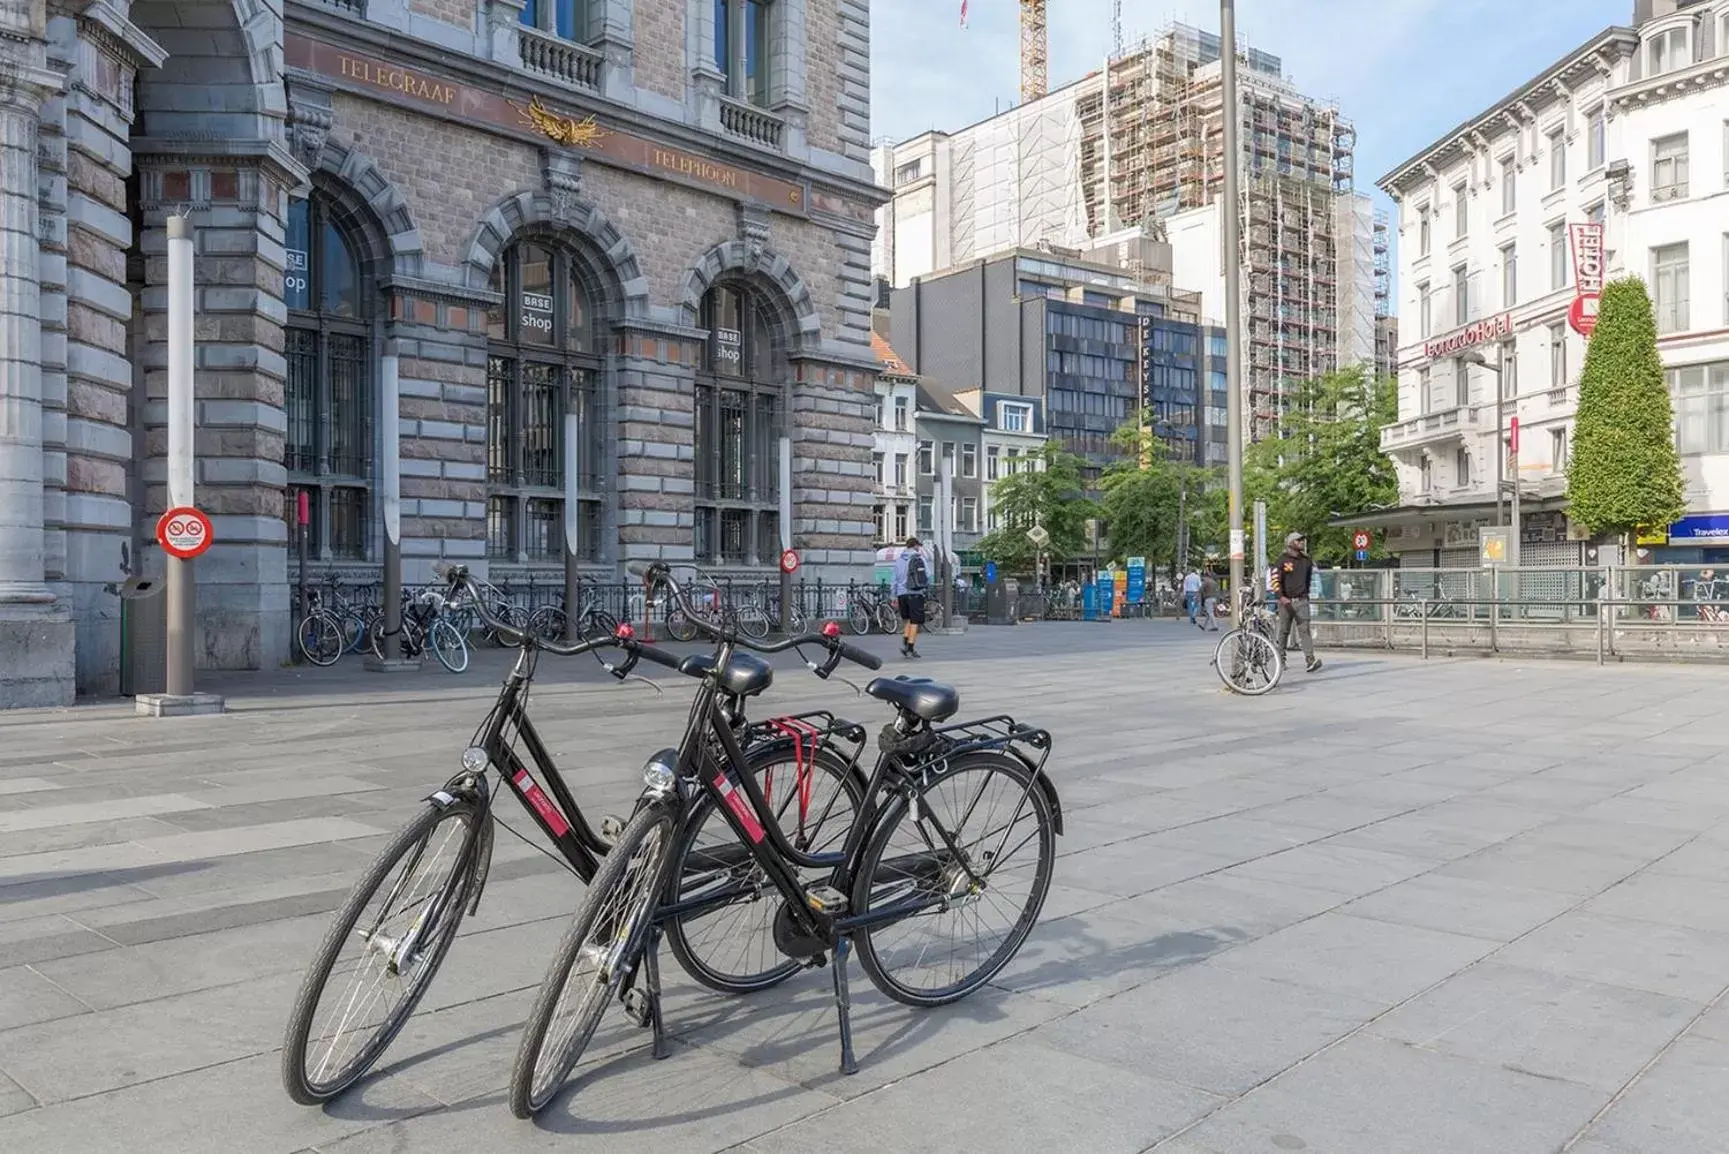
(1404, 70)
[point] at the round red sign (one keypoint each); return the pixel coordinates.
(1583, 313)
(184, 532)
(1360, 540)
(789, 561)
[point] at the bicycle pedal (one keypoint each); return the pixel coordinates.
(638, 1007)
(825, 900)
(610, 827)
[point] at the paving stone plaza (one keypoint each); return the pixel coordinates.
(1400, 906)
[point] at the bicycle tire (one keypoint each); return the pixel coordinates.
(888, 616)
(797, 622)
(762, 760)
(679, 624)
(599, 623)
(860, 617)
(934, 616)
(548, 623)
(1036, 803)
(448, 646)
(753, 621)
(296, 1079)
(531, 1085)
(320, 638)
(1232, 661)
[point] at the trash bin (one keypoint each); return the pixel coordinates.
(143, 635)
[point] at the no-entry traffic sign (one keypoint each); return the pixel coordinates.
(789, 561)
(1360, 540)
(184, 532)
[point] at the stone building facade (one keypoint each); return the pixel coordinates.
(645, 220)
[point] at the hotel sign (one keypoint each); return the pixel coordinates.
(1476, 333)
(1587, 276)
(420, 90)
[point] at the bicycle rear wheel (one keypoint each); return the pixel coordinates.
(859, 617)
(1003, 824)
(320, 638)
(888, 616)
(753, 621)
(729, 946)
(448, 646)
(603, 947)
(1248, 662)
(547, 623)
(395, 947)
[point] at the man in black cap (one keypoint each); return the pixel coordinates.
(912, 583)
(1291, 578)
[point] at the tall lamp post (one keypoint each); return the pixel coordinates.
(1506, 450)
(1233, 301)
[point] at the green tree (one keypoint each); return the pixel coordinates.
(1144, 503)
(1624, 473)
(1051, 495)
(1327, 463)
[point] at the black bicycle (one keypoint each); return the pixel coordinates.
(391, 935)
(912, 859)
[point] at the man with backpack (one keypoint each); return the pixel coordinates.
(911, 586)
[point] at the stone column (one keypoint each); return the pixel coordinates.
(655, 373)
(833, 418)
(36, 635)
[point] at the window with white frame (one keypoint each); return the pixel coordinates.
(1013, 418)
(1507, 361)
(1461, 382)
(993, 463)
(909, 172)
(1461, 468)
(1423, 233)
(877, 468)
(1596, 213)
(1423, 391)
(742, 47)
(969, 519)
(566, 19)
(926, 505)
(1559, 266)
(1461, 295)
(1461, 210)
(1669, 168)
(1509, 185)
(1424, 310)
(900, 473)
(1558, 449)
(879, 514)
(1557, 355)
(900, 523)
(901, 409)
(1557, 158)
(1596, 139)
(927, 459)
(1668, 50)
(1701, 398)
(1669, 284)
(969, 460)
(1509, 275)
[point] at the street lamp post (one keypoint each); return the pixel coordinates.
(1233, 302)
(1506, 451)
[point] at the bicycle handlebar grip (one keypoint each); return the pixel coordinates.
(859, 656)
(659, 657)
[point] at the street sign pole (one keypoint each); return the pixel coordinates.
(1233, 301)
(390, 658)
(1513, 467)
(1260, 578)
(572, 523)
(182, 596)
(785, 535)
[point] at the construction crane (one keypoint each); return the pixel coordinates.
(1035, 73)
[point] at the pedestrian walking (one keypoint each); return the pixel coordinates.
(1192, 593)
(1291, 579)
(1210, 602)
(912, 583)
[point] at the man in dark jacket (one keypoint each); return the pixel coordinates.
(1291, 578)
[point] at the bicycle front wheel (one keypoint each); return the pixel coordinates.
(448, 646)
(320, 638)
(984, 895)
(380, 953)
(753, 621)
(603, 947)
(548, 623)
(888, 617)
(1248, 662)
(859, 618)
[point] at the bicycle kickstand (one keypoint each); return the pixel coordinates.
(843, 1003)
(655, 1020)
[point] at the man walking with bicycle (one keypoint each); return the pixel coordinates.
(1291, 579)
(912, 583)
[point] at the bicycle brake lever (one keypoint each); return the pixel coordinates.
(646, 681)
(857, 692)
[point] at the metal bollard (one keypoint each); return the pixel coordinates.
(1423, 608)
(1600, 608)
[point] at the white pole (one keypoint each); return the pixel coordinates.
(572, 524)
(182, 596)
(390, 484)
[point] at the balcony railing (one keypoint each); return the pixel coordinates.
(568, 63)
(1448, 423)
(751, 124)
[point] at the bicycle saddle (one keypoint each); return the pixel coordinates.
(919, 696)
(743, 676)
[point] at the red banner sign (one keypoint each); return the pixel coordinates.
(1587, 241)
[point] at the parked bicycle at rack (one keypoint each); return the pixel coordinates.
(426, 625)
(875, 884)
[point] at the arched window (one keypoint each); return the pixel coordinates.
(542, 364)
(328, 395)
(738, 425)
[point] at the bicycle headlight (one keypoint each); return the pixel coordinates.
(475, 759)
(659, 774)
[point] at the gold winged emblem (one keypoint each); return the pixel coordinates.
(584, 133)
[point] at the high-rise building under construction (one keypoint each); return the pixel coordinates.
(1138, 146)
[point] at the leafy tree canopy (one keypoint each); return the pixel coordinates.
(1051, 495)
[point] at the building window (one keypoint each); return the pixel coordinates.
(900, 470)
(907, 173)
(900, 523)
(566, 19)
(877, 468)
(1558, 449)
(1423, 391)
(1461, 382)
(1461, 468)
(1726, 140)
(542, 363)
(1461, 210)
(1557, 158)
(1461, 296)
(969, 515)
(1509, 276)
(879, 516)
(1701, 396)
(1509, 187)
(328, 393)
(1425, 316)
(925, 506)
(901, 408)
(1508, 362)
(1669, 168)
(1669, 283)
(1667, 51)
(1423, 237)
(741, 48)
(991, 463)
(1558, 264)
(739, 407)
(1596, 139)
(969, 460)
(927, 459)
(1595, 214)
(1014, 418)
(1726, 278)
(1557, 355)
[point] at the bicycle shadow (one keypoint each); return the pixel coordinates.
(1075, 964)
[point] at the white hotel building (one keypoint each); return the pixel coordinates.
(1631, 130)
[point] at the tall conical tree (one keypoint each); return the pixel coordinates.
(1624, 473)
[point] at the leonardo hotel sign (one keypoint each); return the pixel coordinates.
(1476, 333)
